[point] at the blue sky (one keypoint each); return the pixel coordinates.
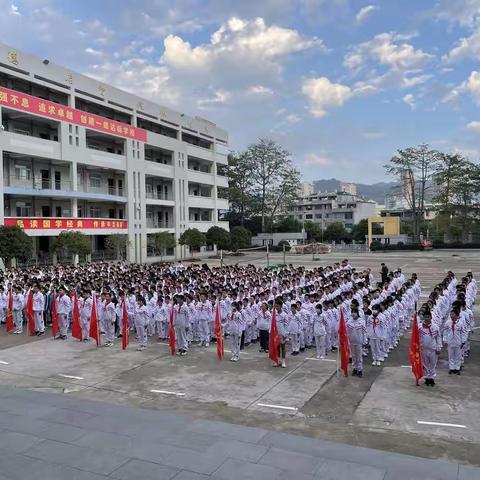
(340, 83)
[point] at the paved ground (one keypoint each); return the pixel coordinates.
(380, 411)
(47, 436)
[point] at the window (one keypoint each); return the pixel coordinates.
(348, 215)
(22, 172)
(95, 181)
(309, 216)
(95, 212)
(24, 209)
(318, 215)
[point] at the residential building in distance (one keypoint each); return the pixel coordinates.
(350, 188)
(306, 189)
(335, 207)
(78, 154)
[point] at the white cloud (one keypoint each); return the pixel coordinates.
(14, 10)
(292, 119)
(409, 99)
(475, 125)
(373, 134)
(259, 90)
(312, 159)
(463, 12)
(467, 47)
(365, 12)
(248, 42)
(92, 51)
(471, 86)
(220, 97)
(323, 94)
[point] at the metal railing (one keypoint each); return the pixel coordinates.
(38, 183)
(107, 190)
(154, 194)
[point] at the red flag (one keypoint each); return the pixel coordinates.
(218, 332)
(29, 314)
(9, 326)
(76, 327)
(414, 353)
(343, 344)
(55, 328)
(171, 332)
(274, 340)
(125, 326)
(94, 329)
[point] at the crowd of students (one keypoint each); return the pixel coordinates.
(308, 304)
(447, 319)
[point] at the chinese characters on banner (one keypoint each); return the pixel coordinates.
(28, 103)
(67, 223)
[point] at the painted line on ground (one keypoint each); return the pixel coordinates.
(280, 407)
(405, 366)
(321, 359)
(70, 376)
(440, 424)
(166, 392)
(3, 362)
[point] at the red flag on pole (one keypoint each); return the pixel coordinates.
(414, 353)
(218, 332)
(171, 332)
(343, 344)
(94, 329)
(55, 328)
(125, 326)
(76, 327)
(274, 340)
(9, 326)
(29, 314)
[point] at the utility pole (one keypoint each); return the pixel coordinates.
(284, 254)
(268, 257)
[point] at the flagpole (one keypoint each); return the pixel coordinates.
(338, 356)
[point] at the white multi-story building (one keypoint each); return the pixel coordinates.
(340, 207)
(81, 155)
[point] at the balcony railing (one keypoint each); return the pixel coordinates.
(156, 224)
(155, 195)
(37, 183)
(105, 189)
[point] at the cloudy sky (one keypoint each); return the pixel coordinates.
(340, 83)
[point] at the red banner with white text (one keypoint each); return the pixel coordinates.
(67, 223)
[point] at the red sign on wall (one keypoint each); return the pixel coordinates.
(34, 223)
(28, 103)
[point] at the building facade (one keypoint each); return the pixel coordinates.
(339, 207)
(81, 155)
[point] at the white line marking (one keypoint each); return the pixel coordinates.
(3, 363)
(441, 424)
(166, 392)
(405, 366)
(475, 328)
(281, 407)
(70, 376)
(321, 359)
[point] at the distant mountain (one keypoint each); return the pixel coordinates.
(376, 191)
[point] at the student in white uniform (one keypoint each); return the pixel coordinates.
(234, 329)
(181, 320)
(454, 336)
(85, 307)
(109, 320)
(356, 332)
(18, 306)
(64, 306)
(38, 306)
(430, 346)
(141, 323)
(3, 305)
(320, 325)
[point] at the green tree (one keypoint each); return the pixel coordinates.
(360, 230)
(14, 243)
(336, 232)
(161, 242)
(240, 238)
(274, 180)
(219, 237)
(314, 232)
(415, 168)
(193, 238)
(288, 224)
(117, 244)
(72, 243)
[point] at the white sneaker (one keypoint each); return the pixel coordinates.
(374, 363)
(318, 357)
(321, 357)
(379, 364)
(207, 344)
(232, 359)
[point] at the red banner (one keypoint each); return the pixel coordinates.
(28, 103)
(67, 223)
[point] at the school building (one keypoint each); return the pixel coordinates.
(82, 155)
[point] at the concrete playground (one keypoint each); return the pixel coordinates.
(384, 410)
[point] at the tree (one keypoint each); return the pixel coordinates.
(360, 230)
(161, 242)
(415, 168)
(72, 243)
(219, 237)
(240, 191)
(117, 244)
(193, 238)
(314, 232)
(240, 238)
(288, 224)
(336, 232)
(14, 243)
(274, 180)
